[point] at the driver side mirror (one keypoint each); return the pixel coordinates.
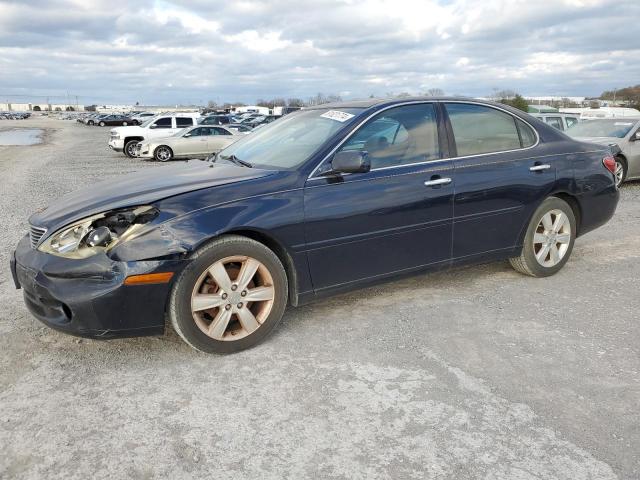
(153, 126)
(186, 135)
(636, 136)
(355, 161)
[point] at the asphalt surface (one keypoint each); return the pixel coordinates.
(474, 373)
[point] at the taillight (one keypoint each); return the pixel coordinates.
(609, 163)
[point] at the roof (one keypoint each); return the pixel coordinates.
(372, 102)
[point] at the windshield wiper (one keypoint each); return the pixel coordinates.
(233, 159)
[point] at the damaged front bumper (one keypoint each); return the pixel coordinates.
(89, 297)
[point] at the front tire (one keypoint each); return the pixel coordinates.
(230, 297)
(620, 173)
(130, 148)
(163, 153)
(549, 239)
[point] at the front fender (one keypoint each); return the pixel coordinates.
(280, 215)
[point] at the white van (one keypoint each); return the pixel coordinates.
(561, 121)
(124, 139)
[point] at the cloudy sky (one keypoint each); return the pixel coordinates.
(167, 51)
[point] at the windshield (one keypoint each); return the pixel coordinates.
(290, 141)
(601, 128)
(181, 133)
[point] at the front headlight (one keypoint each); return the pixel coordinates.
(97, 233)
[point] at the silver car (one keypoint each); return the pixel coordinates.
(623, 132)
(191, 142)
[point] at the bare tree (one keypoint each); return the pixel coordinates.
(321, 98)
(435, 92)
(505, 94)
(295, 102)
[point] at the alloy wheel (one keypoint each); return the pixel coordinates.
(131, 149)
(232, 298)
(619, 172)
(163, 154)
(552, 238)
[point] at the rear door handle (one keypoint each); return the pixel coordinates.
(437, 181)
(539, 168)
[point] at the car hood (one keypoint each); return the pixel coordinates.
(140, 188)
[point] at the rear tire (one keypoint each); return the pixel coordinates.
(549, 240)
(163, 153)
(102, 124)
(216, 318)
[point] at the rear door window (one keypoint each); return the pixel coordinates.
(182, 122)
(481, 129)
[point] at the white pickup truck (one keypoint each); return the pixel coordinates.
(125, 139)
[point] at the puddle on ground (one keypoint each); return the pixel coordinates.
(21, 136)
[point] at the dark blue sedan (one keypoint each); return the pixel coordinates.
(324, 200)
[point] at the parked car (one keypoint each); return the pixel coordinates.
(215, 120)
(95, 118)
(113, 120)
(262, 120)
(561, 121)
(193, 142)
(252, 118)
(14, 115)
(327, 199)
(240, 128)
(124, 139)
(141, 117)
(622, 132)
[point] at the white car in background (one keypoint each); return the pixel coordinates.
(142, 117)
(194, 142)
(125, 139)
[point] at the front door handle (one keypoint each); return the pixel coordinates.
(539, 168)
(437, 181)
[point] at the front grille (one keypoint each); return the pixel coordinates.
(35, 235)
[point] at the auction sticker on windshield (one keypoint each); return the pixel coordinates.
(337, 115)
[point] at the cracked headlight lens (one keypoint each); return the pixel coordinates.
(76, 240)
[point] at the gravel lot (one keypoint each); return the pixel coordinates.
(473, 373)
